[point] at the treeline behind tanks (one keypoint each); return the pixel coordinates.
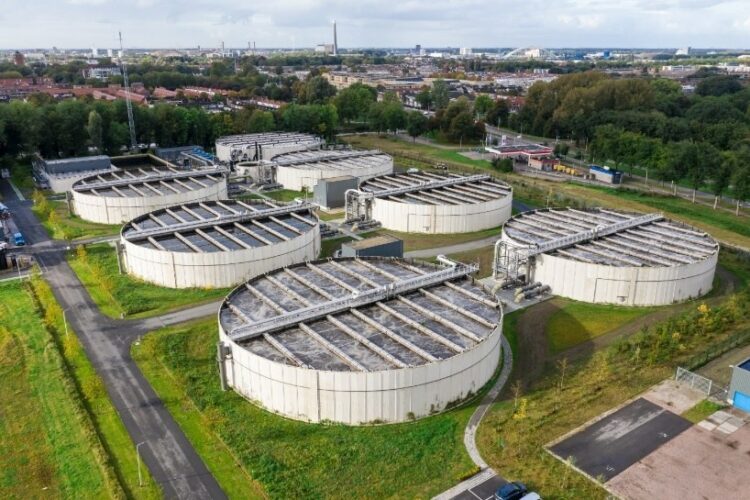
(78, 127)
(703, 138)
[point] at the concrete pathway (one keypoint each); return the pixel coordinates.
(486, 473)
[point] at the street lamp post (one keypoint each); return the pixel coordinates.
(138, 458)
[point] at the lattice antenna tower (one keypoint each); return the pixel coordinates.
(128, 104)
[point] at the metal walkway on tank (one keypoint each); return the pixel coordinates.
(349, 302)
(509, 258)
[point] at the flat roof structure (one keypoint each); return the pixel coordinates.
(226, 241)
(428, 202)
(379, 338)
(141, 187)
(601, 255)
(303, 169)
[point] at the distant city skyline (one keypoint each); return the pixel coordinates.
(368, 23)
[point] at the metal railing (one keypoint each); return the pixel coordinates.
(509, 258)
(429, 185)
(325, 157)
(695, 381)
(161, 175)
(224, 219)
(310, 313)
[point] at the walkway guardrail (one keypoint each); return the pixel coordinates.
(160, 176)
(224, 219)
(310, 313)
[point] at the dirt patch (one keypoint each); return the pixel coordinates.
(532, 341)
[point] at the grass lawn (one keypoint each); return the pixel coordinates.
(416, 241)
(61, 225)
(284, 194)
(413, 154)
(702, 411)
(293, 459)
(722, 225)
(107, 423)
(21, 176)
(327, 247)
(577, 322)
(326, 216)
(48, 447)
(116, 293)
(483, 256)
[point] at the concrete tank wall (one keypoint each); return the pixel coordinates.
(217, 269)
(630, 286)
(117, 210)
(304, 176)
(627, 286)
(355, 398)
(439, 219)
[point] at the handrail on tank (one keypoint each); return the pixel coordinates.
(356, 299)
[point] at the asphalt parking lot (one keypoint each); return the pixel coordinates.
(482, 491)
(621, 439)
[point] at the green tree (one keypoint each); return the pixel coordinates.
(261, 121)
(316, 90)
(482, 105)
(416, 124)
(440, 96)
(499, 113)
(353, 102)
(94, 129)
(424, 98)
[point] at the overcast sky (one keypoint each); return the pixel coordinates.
(375, 23)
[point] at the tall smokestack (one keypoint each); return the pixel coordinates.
(335, 42)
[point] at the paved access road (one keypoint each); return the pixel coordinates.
(170, 457)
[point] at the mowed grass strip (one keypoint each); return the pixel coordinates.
(417, 241)
(107, 423)
(48, 447)
(720, 224)
(62, 225)
(293, 459)
(578, 322)
(116, 293)
(702, 411)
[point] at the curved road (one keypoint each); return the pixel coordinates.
(173, 462)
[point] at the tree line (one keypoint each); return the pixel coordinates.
(702, 139)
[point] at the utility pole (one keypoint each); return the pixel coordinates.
(128, 104)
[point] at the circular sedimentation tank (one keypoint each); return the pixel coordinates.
(628, 259)
(121, 195)
(437, 203)
(360, 340)
(304, 169)
(218, 243)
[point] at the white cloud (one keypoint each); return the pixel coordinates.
(363, 23)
